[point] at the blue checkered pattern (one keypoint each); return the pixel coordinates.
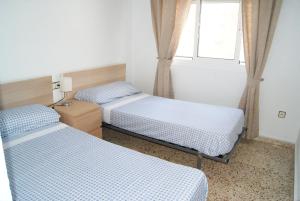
(20, 119)
(70, 165)
(106, 93)
(210, 129)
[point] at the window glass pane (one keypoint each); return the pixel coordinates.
(242, 56)
(186, 41)
(218, 29)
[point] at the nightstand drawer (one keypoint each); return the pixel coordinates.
(86, 122)
(83, 116)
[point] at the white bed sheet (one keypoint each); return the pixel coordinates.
(62, 163)
(210, 129)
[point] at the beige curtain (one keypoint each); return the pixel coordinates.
(259, 22)
(168, 17)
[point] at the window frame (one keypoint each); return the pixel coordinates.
(195, 58)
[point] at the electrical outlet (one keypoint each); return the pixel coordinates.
(55, 85)
(281, 114)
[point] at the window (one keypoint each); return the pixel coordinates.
(212, 30)
(187, 38)
(242, 56)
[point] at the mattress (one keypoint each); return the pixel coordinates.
(61, 163)
(209, 129)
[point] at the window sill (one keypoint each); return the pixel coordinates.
(208, 61)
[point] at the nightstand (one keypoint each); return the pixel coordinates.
(83, 116)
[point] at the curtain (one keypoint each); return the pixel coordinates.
(259, 22)
(168, 18)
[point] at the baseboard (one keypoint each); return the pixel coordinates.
(275, 142)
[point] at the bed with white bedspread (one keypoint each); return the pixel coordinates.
(209, 129)
(58, 162)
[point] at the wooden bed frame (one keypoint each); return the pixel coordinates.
(98, 76)
(38, 90)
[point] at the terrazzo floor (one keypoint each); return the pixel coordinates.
(258, 170)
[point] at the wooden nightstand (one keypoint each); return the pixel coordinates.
(83, 116)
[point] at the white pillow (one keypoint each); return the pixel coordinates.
(25, 118)
(106, 93)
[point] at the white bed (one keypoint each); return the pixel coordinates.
(209, 129)
(58, 162)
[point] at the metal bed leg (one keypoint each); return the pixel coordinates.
(199, 161)
(222, 158)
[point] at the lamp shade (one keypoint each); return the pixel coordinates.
(66, 84)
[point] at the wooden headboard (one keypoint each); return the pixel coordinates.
(25, 92)
(97, 76)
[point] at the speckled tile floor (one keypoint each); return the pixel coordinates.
(257, 170)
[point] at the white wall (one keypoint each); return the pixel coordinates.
(143, 50)
(281, 90)
(223, 84)
(50, 37)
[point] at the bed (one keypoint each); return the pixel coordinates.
(58, 162)
(209, 129)
(48, 160)
(205, 130)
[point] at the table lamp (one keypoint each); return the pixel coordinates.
(65, 87)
